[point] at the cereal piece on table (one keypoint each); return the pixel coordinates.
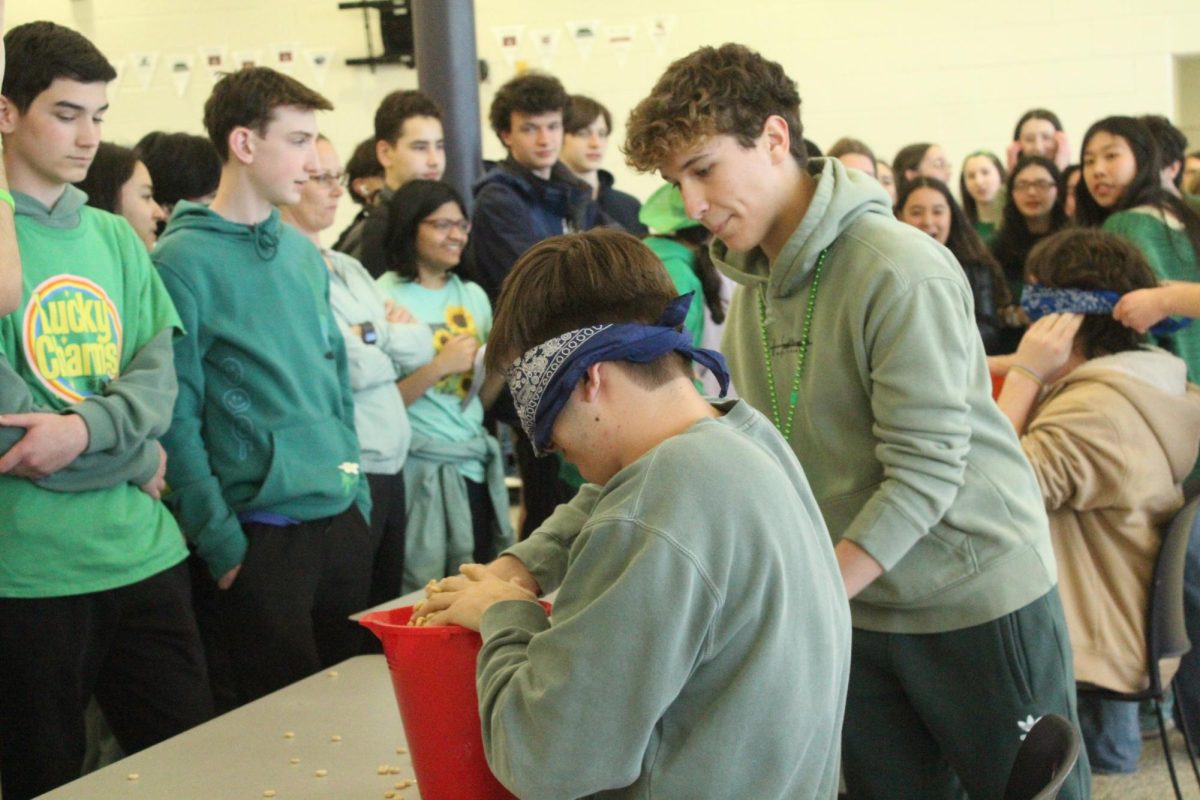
(294, 760)
(401, 750)
(333, 673)
(289, 735)
(389, 795)
(268, 792)
(133, 776)
(394, 771)
(335, 738)
(321, 773)
(382, 769)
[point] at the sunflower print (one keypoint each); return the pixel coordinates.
(458, 322)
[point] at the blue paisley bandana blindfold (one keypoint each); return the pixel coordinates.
(1038, 301)
(543, 378)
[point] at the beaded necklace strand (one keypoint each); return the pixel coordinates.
(801, 356)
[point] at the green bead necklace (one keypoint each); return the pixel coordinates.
(801, 356)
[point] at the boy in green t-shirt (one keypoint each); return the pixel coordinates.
(94, 595)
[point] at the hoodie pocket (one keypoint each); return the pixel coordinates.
(313, 466)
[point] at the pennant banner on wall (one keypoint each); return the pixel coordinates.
(658, 31)
(319, 60)
(584, 34)
(181, 67)
(215, 61)
(143, 65)
(620, 40)
(545, 42)
(285, 56)
(246, 59)
(509, 39)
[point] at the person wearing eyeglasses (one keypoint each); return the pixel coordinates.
(457, 502)
(382, 339)
(1033, 209)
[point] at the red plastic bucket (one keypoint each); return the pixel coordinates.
(433, 674)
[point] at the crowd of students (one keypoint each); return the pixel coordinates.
(219, 437)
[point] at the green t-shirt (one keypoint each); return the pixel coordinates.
(91, 300)
(1172, 258)
(459, 307)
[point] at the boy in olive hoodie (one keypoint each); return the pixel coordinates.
(856, 336)
(700, 614)
(264, 461)
(94, 593)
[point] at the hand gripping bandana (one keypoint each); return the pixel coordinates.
(1038, 301)
(543, 378)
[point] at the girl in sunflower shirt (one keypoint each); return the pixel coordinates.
(457, 503)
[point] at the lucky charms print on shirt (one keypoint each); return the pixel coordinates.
(72, 337)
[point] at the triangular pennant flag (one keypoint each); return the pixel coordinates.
(584, 34)
(286, 56)
(545, 42)
(319, 60)
(620, 40)
(246, 59)
(143, 66)
(215, 61)
(509, 39)
(181, 68)
(658, 31)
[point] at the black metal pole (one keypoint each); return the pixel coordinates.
(448, 71)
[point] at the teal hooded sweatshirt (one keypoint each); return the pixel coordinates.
(265, 416)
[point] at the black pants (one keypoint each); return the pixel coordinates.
(285, 617)
(388, 521)
(483, 522)
(136, 648)
(212, 636)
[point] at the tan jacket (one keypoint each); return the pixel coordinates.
(1111, 442)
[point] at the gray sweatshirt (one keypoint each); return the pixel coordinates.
(700, 640)
(379, 415)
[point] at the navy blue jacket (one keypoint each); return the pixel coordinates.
(622, 207)
(514, 210)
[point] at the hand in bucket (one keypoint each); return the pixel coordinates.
(461, 600)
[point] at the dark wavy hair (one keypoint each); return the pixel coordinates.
(1145, 189)
(970, 207)
(395, 109)
(412, 203)
(1012, 243)
(110, 169)
(1172, 143)
(531, 93)
(715, 91)
(1086, 258)
(39, 53)
(908, 158)
(962, 239)
(582, 111)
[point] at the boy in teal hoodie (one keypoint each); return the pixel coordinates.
(700, 614)
(856, 337)
(94, 596)
(264, 462)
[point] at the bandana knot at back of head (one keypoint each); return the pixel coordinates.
(542, 379)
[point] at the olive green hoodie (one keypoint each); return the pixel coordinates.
(895, 426)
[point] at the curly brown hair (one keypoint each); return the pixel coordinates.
(715, 91)
(248, 99)
(1089, 258)
(532, 93)
(602, 276)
